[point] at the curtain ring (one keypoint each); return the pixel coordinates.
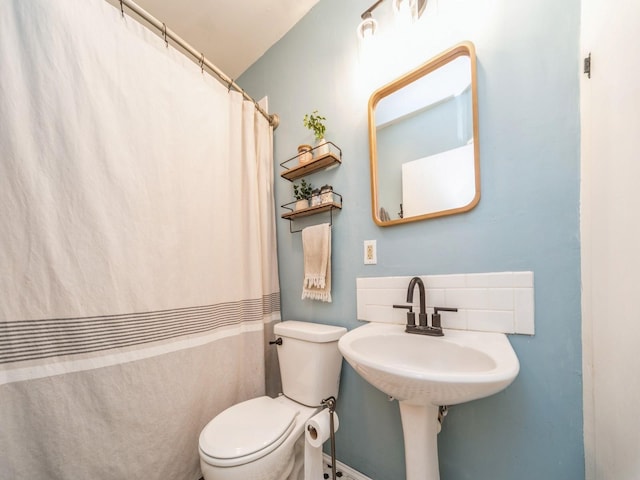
(121, 8)
(164, 34)
(229, 85)
(202, 62)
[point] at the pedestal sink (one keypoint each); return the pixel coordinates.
(424, 372)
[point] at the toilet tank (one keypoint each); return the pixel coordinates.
(310, 361)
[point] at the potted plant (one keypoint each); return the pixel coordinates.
(315, 123)
(302, 193)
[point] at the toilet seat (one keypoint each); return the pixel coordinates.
(246, 432)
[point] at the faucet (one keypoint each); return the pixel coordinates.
(435, 329)
(422, 315)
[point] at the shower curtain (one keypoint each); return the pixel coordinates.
(138, 277)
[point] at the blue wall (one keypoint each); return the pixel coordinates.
(527, 219)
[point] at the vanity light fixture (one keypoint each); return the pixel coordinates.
(414, 8)
(368, 24)
(401, 8)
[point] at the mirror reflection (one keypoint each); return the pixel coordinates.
(423, 135)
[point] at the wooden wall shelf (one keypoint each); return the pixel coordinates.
(334, 157)
(304, 212)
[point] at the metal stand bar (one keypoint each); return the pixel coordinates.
(330, 403)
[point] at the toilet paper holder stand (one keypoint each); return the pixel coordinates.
(329, 403)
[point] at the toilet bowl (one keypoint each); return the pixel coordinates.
(262, 447)
(263, 438)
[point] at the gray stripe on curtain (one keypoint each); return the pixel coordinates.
(270, 303)
(23, 340)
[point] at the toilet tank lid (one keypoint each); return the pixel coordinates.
(311, 332)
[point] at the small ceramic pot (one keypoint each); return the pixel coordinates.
(322, 148)
(326, 194)
(315, 197)
(301, 204)
(304, 154)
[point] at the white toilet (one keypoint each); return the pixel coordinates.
(263, 438)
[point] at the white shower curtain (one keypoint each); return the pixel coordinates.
(138, 277)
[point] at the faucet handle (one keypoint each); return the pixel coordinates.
(411, 317)
(408, 307)
(435, 318)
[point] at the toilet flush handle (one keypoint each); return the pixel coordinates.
(276, 342)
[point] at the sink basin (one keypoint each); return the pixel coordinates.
(419, 369)
(423, 372)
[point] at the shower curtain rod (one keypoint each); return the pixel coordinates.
(273, 119)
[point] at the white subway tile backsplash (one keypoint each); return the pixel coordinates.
(384, 314)
(467, 298)
(435, 297)
(445, 281)
(501, 298)
(523, 279)
(457, 320)
(381, 296)
(524, 310)
(495, 302)
(491, 321)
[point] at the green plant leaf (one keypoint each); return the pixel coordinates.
(315, 123)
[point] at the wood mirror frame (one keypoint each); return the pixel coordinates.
(460, 50)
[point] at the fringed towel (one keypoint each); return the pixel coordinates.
(316, 244)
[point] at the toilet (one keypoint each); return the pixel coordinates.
(263, 438)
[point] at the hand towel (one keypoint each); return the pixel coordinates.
(316, 245)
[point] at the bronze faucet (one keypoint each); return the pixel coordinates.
(423, 328)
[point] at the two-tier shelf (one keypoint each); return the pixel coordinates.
(321, 162)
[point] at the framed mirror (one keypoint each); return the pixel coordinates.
(423, 141)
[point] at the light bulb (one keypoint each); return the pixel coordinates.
(408, 10)
(367, 27)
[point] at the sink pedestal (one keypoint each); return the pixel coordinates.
(420, 431)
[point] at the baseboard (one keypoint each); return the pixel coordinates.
(346, 472)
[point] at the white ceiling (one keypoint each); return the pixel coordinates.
(232, 34)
